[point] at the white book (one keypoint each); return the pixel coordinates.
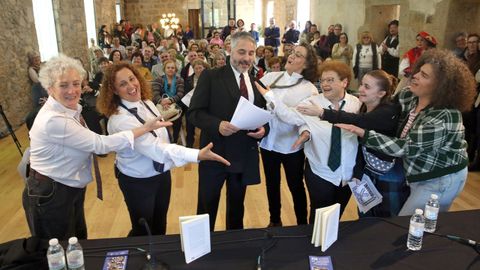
(325, 228)
(195, 236)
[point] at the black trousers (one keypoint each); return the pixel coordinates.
(211, 180)
(190, 133)
(147, 198)
(54, 210)
(293, 165)
(323, 193)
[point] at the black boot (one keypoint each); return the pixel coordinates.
(474, 166)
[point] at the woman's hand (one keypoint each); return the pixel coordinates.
(311, 109)
(150, 125)
(156, 123)
(360, 132)
(86, 89)
(262, 90)
(305, 136)
(207, 154)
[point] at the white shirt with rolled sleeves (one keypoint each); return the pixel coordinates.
(61, 148)
(138, 162)
(282, 135)
(317, 148)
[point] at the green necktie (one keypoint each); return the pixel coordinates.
(335, 155)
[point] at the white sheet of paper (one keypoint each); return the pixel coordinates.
(248, 116)
(195, 236)
(187, 98)
(365, 194)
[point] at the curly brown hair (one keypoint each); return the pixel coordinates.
(108, 101)
(310, 71)
(456, 86)
(342, 69)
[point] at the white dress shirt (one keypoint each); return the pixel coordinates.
(61, 148)
(251, 96)
(138, 162)
(317, 149)
(283, 135)
(393, 51)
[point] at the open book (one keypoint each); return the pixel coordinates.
(325, 229)
(195, 236)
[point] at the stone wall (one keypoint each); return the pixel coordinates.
(105, 13)
(17, 38)
(440, 18)
(71, 28)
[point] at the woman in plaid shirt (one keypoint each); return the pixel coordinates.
(430, 136)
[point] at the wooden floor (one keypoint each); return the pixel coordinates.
(109, 218)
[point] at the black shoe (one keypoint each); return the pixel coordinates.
(274, 224)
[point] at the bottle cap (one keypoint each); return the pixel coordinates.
(434, 196)
(53, 242)
(419, 211)
(73, 240)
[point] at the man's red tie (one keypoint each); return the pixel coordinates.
(243, 87)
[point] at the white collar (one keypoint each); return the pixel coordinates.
(57, 106)
(130, 104)
(237, 73)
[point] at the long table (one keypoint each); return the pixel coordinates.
(368, 243)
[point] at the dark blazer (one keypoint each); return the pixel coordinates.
(214, 100)
(272, 36)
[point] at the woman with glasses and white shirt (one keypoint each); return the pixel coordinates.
(330, 152)
(290, 86)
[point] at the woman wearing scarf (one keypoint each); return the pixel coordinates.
(168, 90)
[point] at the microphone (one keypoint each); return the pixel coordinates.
(152, 263)
(464, 241)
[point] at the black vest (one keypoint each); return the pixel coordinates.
(373, 45)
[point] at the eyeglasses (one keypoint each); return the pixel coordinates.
(366, 37)
(472, 42)
(327, 81)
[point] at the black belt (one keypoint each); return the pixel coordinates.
(39, 176)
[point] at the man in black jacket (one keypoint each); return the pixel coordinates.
(211, 109)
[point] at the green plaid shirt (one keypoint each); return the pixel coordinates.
(434, 146)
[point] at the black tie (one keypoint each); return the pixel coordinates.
(335, 156)
(156, 165)
(96, 168)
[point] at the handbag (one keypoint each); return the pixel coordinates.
(172, 113)
(375, 164)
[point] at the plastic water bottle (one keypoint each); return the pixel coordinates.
(415, 232)
(55, 255)
(431, 213)
(74, 254)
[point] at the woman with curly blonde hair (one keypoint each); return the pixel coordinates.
(430, 137)
(143, 172)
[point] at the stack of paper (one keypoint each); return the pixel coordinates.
(325, 229)
(195, 236)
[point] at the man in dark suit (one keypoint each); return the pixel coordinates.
(291, 35)
(272, 35)
(212, 106)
